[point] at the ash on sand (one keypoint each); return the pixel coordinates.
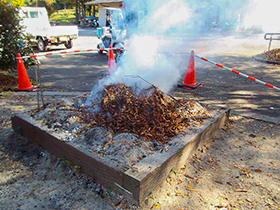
(70, 121)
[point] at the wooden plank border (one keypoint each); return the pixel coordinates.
(154, 171)
(91, 165)
(134, 184)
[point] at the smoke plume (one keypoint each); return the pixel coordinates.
(156, 29)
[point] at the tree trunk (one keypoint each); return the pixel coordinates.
(77, 13)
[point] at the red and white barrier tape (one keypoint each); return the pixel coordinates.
(239, 73)
(107, 49)
(65, 52)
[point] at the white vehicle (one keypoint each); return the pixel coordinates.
(36, 21)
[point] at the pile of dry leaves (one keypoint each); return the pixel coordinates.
(273, 55)
(149, 113)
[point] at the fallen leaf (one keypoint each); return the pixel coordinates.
(179, 181)
(219, 182)
(188, 176)
(240, 201)
(258, 170)
(244, 169)
(156, 206)
(189, 187)
(249, 201)
(269, 203)
(223, 196)
(273, 163)
(240, 190)
(251, 143)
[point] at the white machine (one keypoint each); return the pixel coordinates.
(115, 35)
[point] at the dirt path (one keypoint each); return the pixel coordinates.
(236, 169)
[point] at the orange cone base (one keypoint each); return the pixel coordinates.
(29, 89)
(189, 87)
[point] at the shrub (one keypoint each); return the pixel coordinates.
(12, 38)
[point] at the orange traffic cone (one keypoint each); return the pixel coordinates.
(23, 80)
(189, 81)
(111, 62)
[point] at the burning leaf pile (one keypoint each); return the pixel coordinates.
(149, 114)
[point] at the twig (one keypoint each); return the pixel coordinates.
(138, 76)
(40, 89)
(36, 74)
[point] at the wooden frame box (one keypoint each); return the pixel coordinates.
(135, 184)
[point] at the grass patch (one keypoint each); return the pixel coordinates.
(64, 17)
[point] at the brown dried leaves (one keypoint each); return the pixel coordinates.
(149, 114)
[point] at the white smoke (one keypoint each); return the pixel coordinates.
(263, 15)
(148, 51)
(160, 25)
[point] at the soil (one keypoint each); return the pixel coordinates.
(7, 81)
(236, 169)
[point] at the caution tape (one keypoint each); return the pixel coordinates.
(107, 49)
(65, 52)
(239, 73)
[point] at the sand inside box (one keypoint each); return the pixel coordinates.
(64, 119)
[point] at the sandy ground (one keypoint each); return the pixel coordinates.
(236, 169)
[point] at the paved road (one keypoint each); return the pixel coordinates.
(79, 72)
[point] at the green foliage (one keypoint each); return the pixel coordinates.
(12, 38)
(64, 16)
(174, 172)
(48, 4)
(64, 4)
(17, 3)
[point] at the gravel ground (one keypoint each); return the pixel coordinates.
(236, 169)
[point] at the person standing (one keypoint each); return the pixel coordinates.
(108, 21)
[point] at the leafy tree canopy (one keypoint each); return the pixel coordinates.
(16, 3)
(12, 38)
